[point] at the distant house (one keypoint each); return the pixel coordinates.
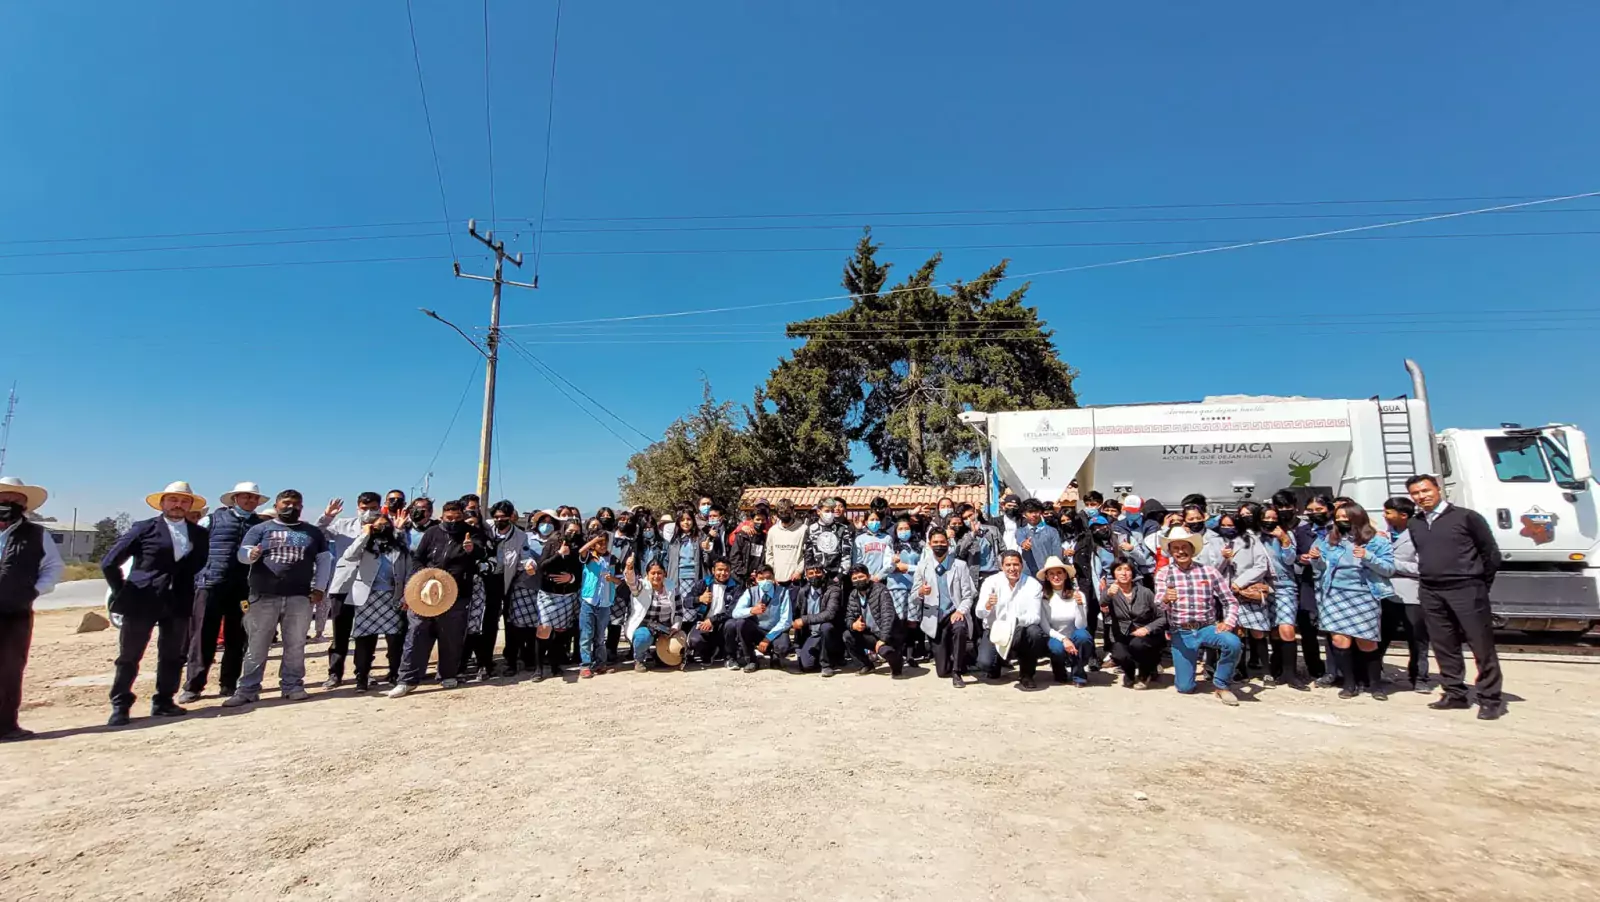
(859, 497)
(75, 544)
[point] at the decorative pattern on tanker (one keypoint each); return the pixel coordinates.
(1258, 425)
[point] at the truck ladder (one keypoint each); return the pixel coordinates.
(1399, 460)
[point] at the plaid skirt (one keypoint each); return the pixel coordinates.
(1256, 615)
(1350, 612)
(480, 602)
(380, 616)
(558, 611)
(1285, 608)
(524, 607)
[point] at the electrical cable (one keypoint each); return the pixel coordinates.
(427, 118)
(549, 132)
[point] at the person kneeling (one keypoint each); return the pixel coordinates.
(1190, 592)
(1066, 611)
(653, 612)
(819, 608)
(874, 627)
(762, 621)
(1012, 606)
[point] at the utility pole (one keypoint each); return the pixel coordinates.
(5, 429)
(486, 441)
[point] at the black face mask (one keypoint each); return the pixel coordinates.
(419, 516)
(939, 551)
(1011, 512)
(573, 538)
(1101, 534)
(454, 528)
(785, 519)
(1318, 518)
(10, 512)
(608, 524)
(819, 581)
(1246, 523)
(1268, 526)
(1195, 528)
(1343, 526)
(861, 585)
(503, 525)
(395, 504)
(289, 514)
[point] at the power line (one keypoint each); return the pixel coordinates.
(539, 368)
(900, 213)
(427, 117)
(604, 409)
(471, 377)
(1107, 264)
(488, 119)
(549, 131)
(199, 266)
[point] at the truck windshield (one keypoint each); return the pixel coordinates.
(1517, 458)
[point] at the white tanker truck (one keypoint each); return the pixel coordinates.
(1534, 485)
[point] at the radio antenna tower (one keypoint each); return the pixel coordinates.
(5, 428)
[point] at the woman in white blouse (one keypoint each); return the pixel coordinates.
(1066, 618)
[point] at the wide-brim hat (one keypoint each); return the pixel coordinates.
(35, 494)
(175, 488)
(243, 488)
(1179, 534)
(430, 592)
(1055, 563)
(670, 650)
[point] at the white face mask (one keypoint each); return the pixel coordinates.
(668, 531)
(825, 519)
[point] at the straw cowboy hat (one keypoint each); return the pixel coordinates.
(670, 649)
(243, 488)
(430, 592)
(176, 488)
(1055, 563)
(1179, 534)
(34, 494)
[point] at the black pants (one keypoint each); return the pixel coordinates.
(950, 646)
(820, 646)
(1459, 614)
(217, 608)
(16, 635)
(480, 647)
(1306, 625)
(132, 641)
(704, 646)
(367, 649)
(1138, 656)
(1408, 621)
(521, 646)
(344, 616)
(751, 634)
(862, 643)
(448, 629)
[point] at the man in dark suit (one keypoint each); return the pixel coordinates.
(167, 553)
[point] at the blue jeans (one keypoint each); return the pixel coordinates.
(261, 623)
(644, 639)
(592, 623)
(1187, 646)
(1060, 655)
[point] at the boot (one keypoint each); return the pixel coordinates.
(1259, 655)
(1374, 671)
(1345, 659)
(541, 650)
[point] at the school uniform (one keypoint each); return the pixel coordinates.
(375, 596)
(1403, 614)
(705, 645)
(1350, 588)
(157, 596)
(770, 626)
(819, 643)
(953, 593)
(874, 609)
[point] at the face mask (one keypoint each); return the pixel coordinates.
(786, 519)
(289, 514)
(10, 512)
(705, 509)
(668, 531)
(861, 584)
(1131, 518)
(456, 528)
(368, 517)
(1246, 523)
(903, 535)
(874, 527)
(1195, 528)
(419, 516)
(825, 519)
(546, 528)
(649, 533)
(573, 538)
(945, 512)
(819, 581)
(1100, 534)
(395, 504)
(1227, 532)
(765, 585)
(1344, 526)
(1318, 518)
(1269, 526)
(502, 525)
(939, 550)
(1011, 512)
(713, 522)
(608, 524)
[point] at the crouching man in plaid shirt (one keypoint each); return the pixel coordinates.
(1191, 592)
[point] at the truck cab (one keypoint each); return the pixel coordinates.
(1535, 488)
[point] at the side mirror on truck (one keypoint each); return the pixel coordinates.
(1575, 445)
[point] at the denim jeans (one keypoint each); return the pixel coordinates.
(644, 639)
(1187, 648)
(1060, 655)
(261, 622)
(592, 623)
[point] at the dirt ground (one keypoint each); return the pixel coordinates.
(717, 785)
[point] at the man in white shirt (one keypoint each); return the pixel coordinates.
(30, 566)
(1009, 605)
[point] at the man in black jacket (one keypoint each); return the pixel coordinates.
(818, 610)
(456, 549)
(30, 566)
(1457, 557)
(219, 589)
(871, 622)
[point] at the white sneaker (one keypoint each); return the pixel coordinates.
(400, 690)
(450, 684)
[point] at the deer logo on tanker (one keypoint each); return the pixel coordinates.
(1300, 471)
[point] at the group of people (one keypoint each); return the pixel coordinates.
(1083, 582)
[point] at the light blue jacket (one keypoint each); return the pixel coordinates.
(1339, 568)
(777, 618)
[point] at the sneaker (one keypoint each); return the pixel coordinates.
(362, 685)
(638, 667)
(538, 676)
(749, 668)
(731, 664)
(482, 675)
(333, 683)
(1422, 687)
(1379, 693)
(586, 673)
(1269, 681)
(957, 681)
(1143, 683)
(506, 670)
(297, 695)
(168, 709)
(1326, 681)
(449, 684)
(1349, 692)
(1450, 703)
(1227, 697)
(400, 690)
(1080, 682)
(188, 698)
(237, 701)
(828, 672)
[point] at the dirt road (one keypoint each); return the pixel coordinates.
(715, 785)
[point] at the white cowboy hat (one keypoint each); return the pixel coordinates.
(177, 488)
(1055, 563)
(1179, 534)
(243, 488)
(670, 649)
(34, 494)
(430, 592)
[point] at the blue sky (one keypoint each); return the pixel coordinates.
(169, 118)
